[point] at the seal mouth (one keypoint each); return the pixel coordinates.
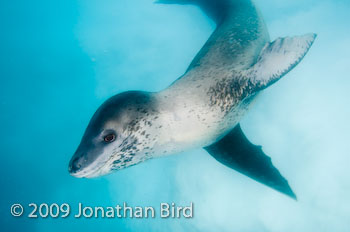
(93, 170)
(88, 172)
(97, 168)
(91, 173)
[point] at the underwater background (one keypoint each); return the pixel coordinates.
(60, 59)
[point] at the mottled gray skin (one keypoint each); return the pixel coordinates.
(195, 111)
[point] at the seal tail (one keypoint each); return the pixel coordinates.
(277, 58)
(215, 9)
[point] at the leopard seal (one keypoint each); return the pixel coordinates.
(203, 107)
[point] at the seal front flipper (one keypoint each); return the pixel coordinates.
(237, 152)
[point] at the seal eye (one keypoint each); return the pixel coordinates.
(109, 138)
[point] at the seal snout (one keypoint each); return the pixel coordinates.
(76, 164)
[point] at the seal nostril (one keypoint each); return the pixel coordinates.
(75, 166)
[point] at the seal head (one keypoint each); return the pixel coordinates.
(111, 140)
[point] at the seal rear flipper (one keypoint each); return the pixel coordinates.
(237, 152)
(277, 58)
(216, 9)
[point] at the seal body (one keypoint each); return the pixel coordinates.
(203, 107)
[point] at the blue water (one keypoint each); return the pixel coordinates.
(59, 60)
